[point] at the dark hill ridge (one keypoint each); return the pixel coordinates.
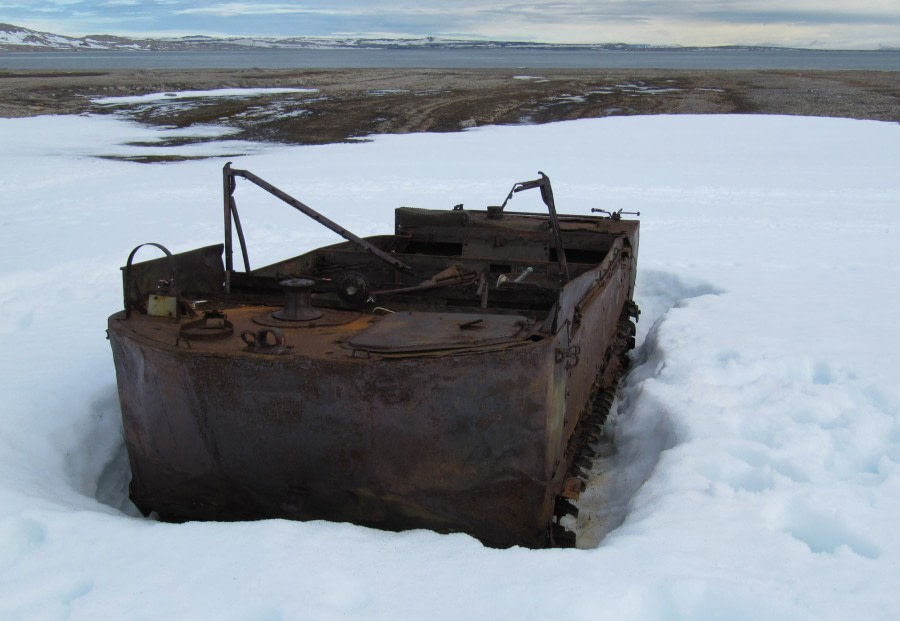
(17, 38)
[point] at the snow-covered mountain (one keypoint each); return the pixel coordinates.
(17, 38)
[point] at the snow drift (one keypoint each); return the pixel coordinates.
(758, 434)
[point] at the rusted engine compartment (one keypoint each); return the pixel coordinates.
(448, 376)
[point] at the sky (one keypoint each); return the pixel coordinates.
(835, 24)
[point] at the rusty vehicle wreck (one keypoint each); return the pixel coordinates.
(453, 375)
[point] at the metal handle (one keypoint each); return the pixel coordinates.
(127, 275)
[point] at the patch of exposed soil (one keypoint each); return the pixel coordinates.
(353, 103)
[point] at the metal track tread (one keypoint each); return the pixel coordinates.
(588, 440)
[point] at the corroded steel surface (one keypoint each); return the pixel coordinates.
(455, 397)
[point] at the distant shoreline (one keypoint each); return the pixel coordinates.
(387, 57)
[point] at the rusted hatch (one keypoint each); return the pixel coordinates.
(409, 331)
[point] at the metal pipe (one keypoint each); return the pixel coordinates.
(240, 233)
(312, 213)
(227, 191)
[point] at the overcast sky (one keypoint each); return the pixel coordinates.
(860, 24)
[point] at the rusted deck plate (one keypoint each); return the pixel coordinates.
(422, 331)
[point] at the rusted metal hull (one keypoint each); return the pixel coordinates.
(394, 444)
(468, 425)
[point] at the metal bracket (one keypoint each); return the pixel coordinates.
(570, 355)
(259, 343)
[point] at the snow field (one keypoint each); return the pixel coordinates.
(758, 433)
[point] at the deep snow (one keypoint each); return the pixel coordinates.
(758, 465)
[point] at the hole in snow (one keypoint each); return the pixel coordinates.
(823, 533)
(638, 424)
(98, 464)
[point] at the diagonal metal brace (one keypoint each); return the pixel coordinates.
(230, 173)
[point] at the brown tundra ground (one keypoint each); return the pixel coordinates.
(352, 103)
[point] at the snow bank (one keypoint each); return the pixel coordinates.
(758, 434)
(206, 94)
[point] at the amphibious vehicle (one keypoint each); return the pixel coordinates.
(452, 375)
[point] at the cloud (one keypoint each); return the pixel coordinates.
(688, 22)
(835, 18)
(240, 9)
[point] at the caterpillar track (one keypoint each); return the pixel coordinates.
(589, 440)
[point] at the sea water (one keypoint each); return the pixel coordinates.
(687, 59)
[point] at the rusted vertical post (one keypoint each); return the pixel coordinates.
(547, 197)
(228, 189)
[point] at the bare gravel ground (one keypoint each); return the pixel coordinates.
(352, 103)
